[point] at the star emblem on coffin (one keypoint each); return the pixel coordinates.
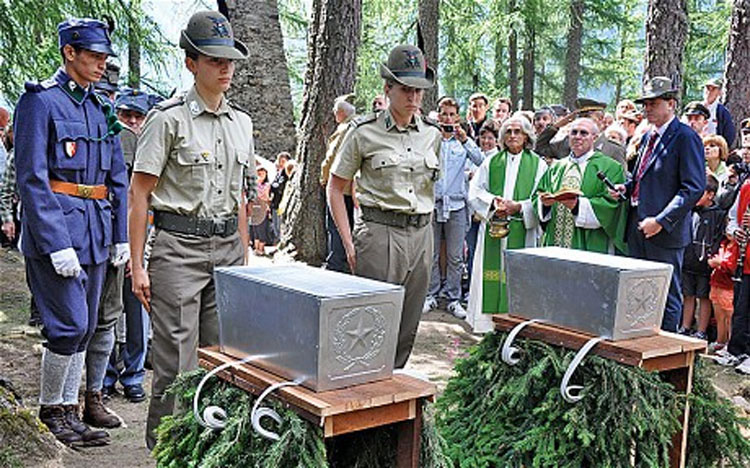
(643, 301)
(358, 337)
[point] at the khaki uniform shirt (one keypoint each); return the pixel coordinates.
(398, 166)
(129, 143)
(202, 158)
(334, 143)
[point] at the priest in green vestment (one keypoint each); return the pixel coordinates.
(574, 203)
(500, 193)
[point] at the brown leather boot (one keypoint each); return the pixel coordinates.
(53, 416)
(89, 437)
(96, 414)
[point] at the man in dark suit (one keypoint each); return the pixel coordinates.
(720, 120)
(668, 179)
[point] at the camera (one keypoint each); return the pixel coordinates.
(448, 128)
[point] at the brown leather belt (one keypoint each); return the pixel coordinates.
(95, 192)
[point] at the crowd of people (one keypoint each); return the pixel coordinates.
(511, 179)
(125, 203)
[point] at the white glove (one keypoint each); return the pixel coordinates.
(65, 262)
(119, 254)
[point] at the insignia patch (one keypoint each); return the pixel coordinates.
(205, 155)
(70, 148)
(412, 60)
(220, 27)
(72, 85)
(194, 107)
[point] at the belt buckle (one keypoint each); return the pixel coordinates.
(84, 191)
(219, 228)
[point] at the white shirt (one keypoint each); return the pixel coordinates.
(713, 121)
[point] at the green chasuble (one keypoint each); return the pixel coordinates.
(612, 215)
(494, 291)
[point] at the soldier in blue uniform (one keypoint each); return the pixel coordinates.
(73, 186)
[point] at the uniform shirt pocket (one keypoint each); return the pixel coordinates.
(71, 145)
(193, 167)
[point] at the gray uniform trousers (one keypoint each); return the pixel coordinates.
(399, 256)
(183, 308)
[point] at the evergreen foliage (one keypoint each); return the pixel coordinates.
(714, 431)
(493, 414)
(28, 39)
(183, 443)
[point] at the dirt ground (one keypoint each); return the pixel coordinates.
(440, 341)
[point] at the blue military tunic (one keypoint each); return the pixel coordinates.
(62, 132)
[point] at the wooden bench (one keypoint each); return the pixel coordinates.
(395, 401)
(668, 353)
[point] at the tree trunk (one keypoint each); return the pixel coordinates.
(261, 83)
(333, 41)
(736, 83)
(134, 58)
(528, 68)
(513, 59)
(499, 72)
(429, 26)
(573, 54)
(666, 35)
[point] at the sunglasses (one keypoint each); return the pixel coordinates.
(514, 131)
(576, 132)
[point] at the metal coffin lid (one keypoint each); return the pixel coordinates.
(605, 295)
(332, 329)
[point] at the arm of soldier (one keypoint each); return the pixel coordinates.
(242, 227)
(139, 197)
(335, 195)
(44, 215)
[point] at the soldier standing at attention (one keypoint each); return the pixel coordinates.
(396, 152)
(73, 185)
(191, 167)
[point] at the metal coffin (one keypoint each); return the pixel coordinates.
(330, 329)
(605, 295)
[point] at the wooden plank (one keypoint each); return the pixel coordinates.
(408, 445)
(631, 352)
(368, 418)
(665, 363)
(384, 392)
(682, 380)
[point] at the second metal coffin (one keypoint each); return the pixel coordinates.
(605, 295)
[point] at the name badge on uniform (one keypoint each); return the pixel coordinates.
(70, 148)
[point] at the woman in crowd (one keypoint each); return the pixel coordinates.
(716, 153)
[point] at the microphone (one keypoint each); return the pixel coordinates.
(603, 177)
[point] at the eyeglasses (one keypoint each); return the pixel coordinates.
(514, 131)
(583, 133)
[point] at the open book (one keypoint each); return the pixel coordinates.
(563, 194)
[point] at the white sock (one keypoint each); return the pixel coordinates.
(54, 371)
(73, 379)
(97, 358)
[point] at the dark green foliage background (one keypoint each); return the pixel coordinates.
(493, 414)
(183, 443)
